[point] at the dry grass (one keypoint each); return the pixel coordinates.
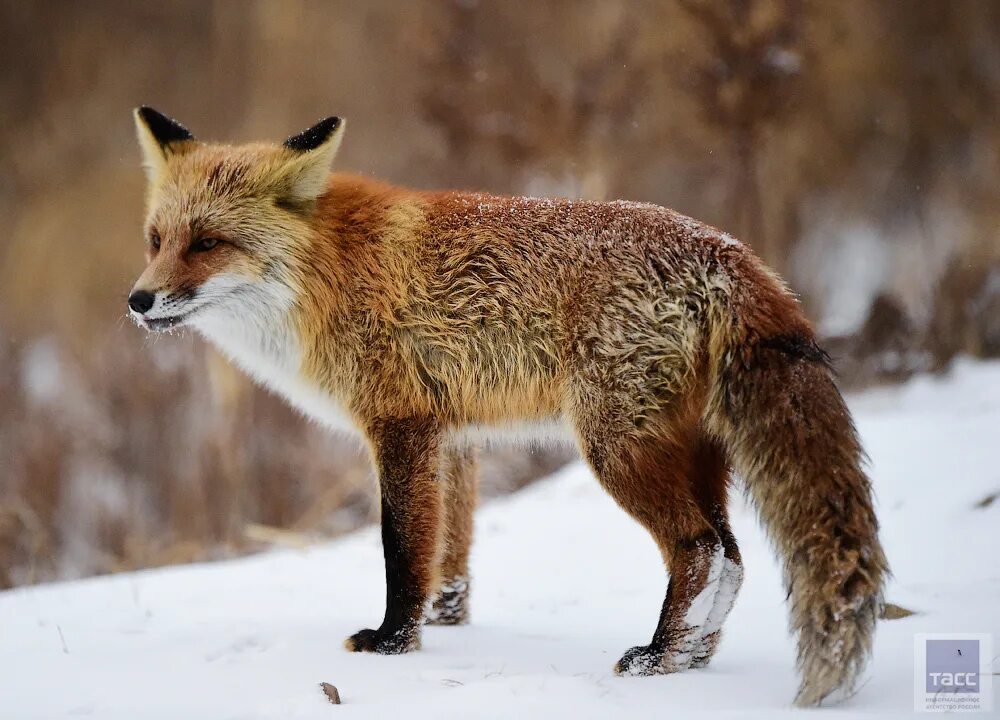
(789, 122)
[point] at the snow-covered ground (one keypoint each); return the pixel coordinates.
(563, 583)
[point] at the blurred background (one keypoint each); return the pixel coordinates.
(854, 145)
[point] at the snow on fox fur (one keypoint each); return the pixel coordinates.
(424, 321)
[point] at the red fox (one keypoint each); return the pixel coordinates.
(422, 321)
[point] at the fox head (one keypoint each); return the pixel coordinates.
(224, 224)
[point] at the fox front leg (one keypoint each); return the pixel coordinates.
(406, 454)
(458, 480)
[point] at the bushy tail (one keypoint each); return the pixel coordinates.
(792, 439)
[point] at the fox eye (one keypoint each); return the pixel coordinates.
(205, 244)
(154, 240)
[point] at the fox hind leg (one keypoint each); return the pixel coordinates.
(695, 572)
(458, 477)
(648, 473)
(710, 480)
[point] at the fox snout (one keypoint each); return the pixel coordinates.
(140, 301)
(161, 310)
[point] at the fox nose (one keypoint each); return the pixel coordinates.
(141, 301)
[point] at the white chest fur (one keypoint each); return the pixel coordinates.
(259, 338)
(544, 433)
(257, 335)
(272, 356)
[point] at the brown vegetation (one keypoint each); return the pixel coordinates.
(853, 144)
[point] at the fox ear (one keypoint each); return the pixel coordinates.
(303, 177)
(158, 137)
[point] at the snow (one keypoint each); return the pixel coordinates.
(729, 584)
(703, 603)
(563, 582)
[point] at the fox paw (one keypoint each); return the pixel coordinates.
(645, 660)
(384, 643)
(705, 649)
(640, 661)
(451, 606)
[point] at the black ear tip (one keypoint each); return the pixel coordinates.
(313, 137)
(164, 129)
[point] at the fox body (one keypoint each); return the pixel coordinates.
(426, 322)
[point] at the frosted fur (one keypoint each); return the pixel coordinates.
(449, 607)
(700, 609)
(729, 585)
(692, 639)
(428, 321)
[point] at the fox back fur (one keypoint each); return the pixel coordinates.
(425, 320)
